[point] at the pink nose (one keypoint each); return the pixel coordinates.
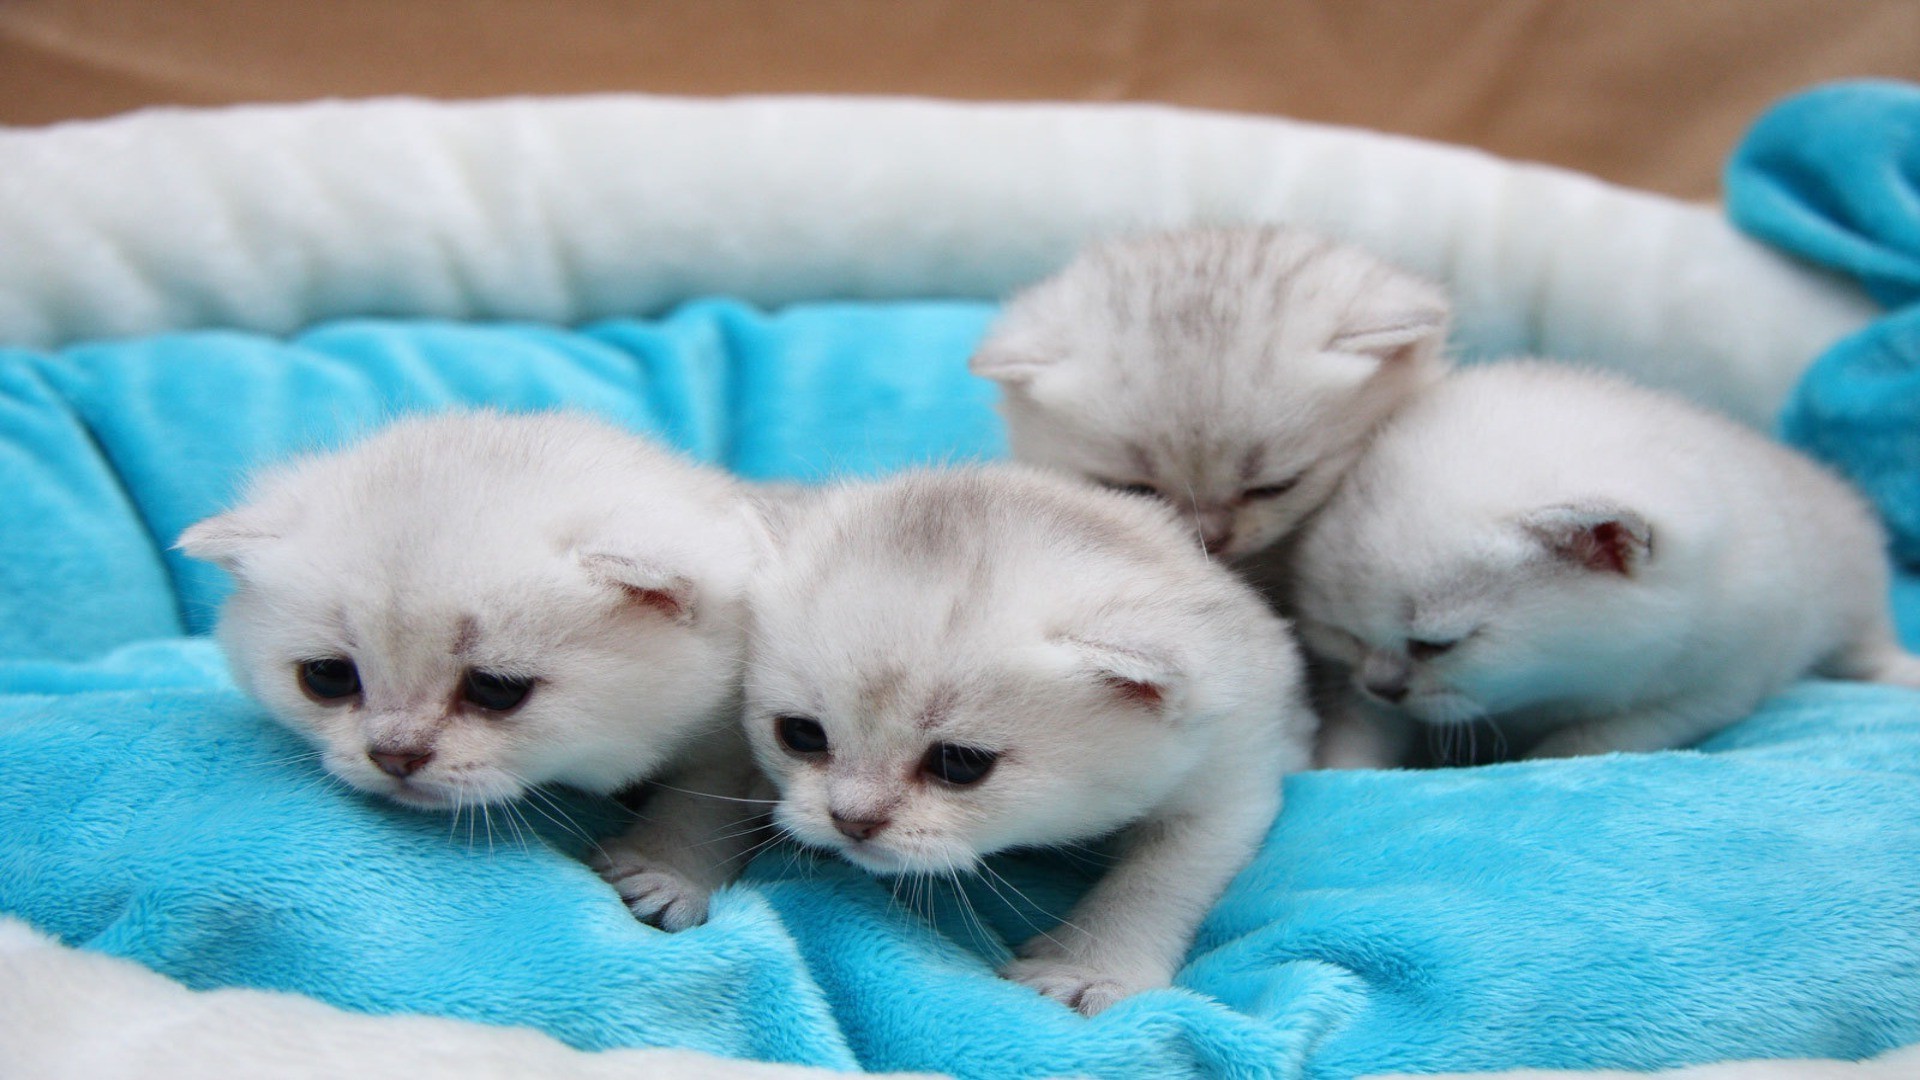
(400, 764)
(1215, 543)
(859, 828)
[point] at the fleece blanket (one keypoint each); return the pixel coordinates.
(1759, 897)
(52, 996)
(1833, 175)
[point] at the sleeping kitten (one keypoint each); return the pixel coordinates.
(464, 607)
(1235, 373)
(947, 665)
(1588, 565)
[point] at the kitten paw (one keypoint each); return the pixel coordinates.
(656, 895)
(1087, 990)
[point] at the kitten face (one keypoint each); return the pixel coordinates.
(1234, 374)
(1460, 620)
(946, 666)
(460, 608)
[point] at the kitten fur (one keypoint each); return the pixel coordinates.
(1123, 680)
(549, 548)
(1234, 372)
(1588, 565)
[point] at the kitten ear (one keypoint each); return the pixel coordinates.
(1595, 536)
(1011, 357)
(225, 539)
(646, 584)
(1396, 324)
(1136, 676)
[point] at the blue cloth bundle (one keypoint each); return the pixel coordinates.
(1758, 897)
(1833, 176)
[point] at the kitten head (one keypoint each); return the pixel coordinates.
(1234, 373)
(465, 606)
(945, 665)
(1450, 609)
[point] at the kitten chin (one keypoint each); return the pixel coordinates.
(946, 665)
(1233, 372)
(461, 608)
(1566, 563)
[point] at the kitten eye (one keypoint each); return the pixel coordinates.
(1271, 491)
(494, 693)
(329, 679)
(958, 765)
(1427, 650)
(1147, 490)
(801, 734)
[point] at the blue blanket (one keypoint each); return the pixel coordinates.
(1833, 176)
(1760, 897)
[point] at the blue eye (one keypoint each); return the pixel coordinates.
(958, 765)
(801, 734)
(330, 679)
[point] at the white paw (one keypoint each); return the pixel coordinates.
(655, 894)
(1079, 986)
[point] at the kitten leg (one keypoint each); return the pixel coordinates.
(1133, 929)
(695, 831)
(1640, 731)
(1357, 735)
(1877, 657)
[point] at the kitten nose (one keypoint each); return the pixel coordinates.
(1387, 688)
(1216, 527)
(400, 764)
(1395, 692)
(859, 828)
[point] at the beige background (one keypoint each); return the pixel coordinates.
(1646, 92)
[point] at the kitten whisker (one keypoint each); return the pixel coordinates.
(976, 928)
(989, 875)
(711, 795)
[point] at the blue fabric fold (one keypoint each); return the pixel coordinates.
(1759, 897)
(1832, 175)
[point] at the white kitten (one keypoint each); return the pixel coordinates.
(1589, 565)
(1234, 372)
(947, 665)
(464, 607)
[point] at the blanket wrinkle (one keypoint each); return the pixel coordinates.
(1832, 175)
(1611, 911)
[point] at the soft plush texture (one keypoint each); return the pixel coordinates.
(1754, 899)
(53, 998)
(1611, 911)
(1833, 176)
(576, 209)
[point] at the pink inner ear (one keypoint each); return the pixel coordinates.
(661, 600)
(1604, 547)
(1140, 693)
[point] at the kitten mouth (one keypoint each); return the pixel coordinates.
(418, 798)
(1442, 709)
(875, 860)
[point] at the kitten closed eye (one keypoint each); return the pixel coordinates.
(1271, 491)
(1427, 650)
(1147, 490)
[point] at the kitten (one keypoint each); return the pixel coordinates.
(1236, 373)
(946, 665)
(464, 607)
(1588, 565)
